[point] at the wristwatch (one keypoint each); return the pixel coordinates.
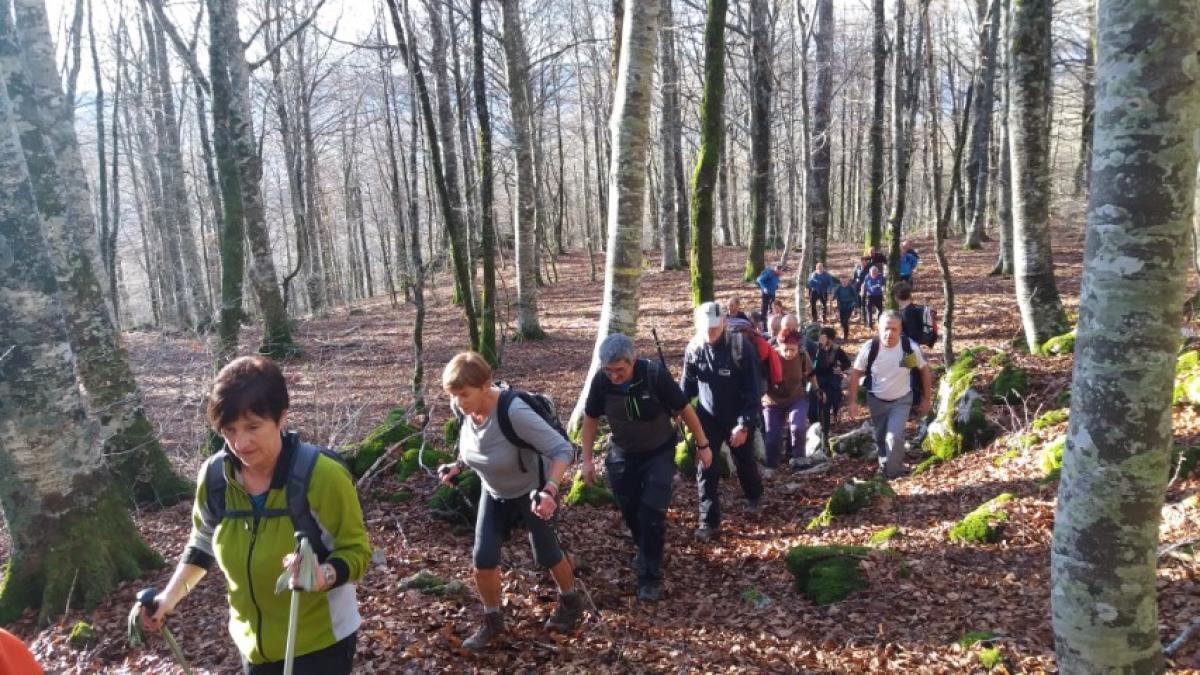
(703, 447)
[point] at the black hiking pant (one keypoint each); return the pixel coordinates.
(844, 317)
(874, 309)
(709, 480)
(642, 483)
(813, 298)
(336, 659)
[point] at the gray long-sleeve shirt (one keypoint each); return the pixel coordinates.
(484, 448)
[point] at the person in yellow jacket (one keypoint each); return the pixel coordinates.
(244, 522)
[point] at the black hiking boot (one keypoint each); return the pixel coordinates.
(492, 626)
(567, 613)
(650, 591)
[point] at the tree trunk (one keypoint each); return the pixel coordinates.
(875, 188)
(978, 168)
(820, 141)
(1037, 295)
(1004, 258)
(630, 130)
(71, 536)
(669, 135)
(1083, 168)
(526, 198)
(55, 169)
(1135, 271)
(487, 336)
(760, 138)
(712, 112)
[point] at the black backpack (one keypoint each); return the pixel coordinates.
(919, 323)
(914, 374)
(538, 403)
(304, 460)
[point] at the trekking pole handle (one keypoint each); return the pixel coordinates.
(148, 598)
(658, 346)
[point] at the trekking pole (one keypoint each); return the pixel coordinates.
(306, 579)
(536, 496)
(148, 598)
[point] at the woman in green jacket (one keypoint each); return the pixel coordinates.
(242, 521)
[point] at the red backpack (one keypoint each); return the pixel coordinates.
(770, 368)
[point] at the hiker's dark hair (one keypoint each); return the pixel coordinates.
(829, 332)
(250, 384)
(902, 291)
(467, 369)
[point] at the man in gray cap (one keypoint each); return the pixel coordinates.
(720, 369)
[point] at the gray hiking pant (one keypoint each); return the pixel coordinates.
(888, 418)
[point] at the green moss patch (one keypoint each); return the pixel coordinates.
(458, 504)
(415, 461)
(430, 583)
(857, 443)
(851, 497)
(1051, 459)
(1183, 461)
(1010, 384)
(885, 535)
(960, 423)
(756, 598)
(984, 524)
(1187, 379)
(1050, 419)
(1059, 345)
(595, 494)
(394, 429)
(990, 657)
(969, 640)
(826, 574)
(82, 635)
(685, 457)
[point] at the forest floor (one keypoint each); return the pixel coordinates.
(919, 603)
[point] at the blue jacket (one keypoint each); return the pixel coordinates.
(728, 393)
(846, 297)
(909, 262)
(768, 281)
(820, 282)
(873, 286)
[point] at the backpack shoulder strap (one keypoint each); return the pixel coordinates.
(736, 348)
(214, 489)
(510, 433)
(872, 354)
(906, 345)
(304, 460)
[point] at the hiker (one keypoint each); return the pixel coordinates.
(15, 657)
(861, 269)
(917, 322)
(510, 491)
(777, 310)
(888, 360)
(768, 283)
(243, 519)
(787, 403)
(735, 309)
(790, 332)
(873, 287)
(828, 366)
(719, 369)
(909, 260)
(640, 400)
(820, 283)
(846, 300)
(775, 327)
(878, 258)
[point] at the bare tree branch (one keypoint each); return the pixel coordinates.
(295, 31)
(181, 47)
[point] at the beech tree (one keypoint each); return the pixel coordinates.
(704, 179)
(1136, 261)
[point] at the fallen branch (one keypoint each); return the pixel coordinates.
(376, 467)
(1178, 642)
(1169, 548)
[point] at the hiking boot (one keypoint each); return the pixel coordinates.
(492, 626)
(636, 562)
(799, 464)
(567, 613)
(707, 532)
(754, 507)
(767, 473)
(650, 591)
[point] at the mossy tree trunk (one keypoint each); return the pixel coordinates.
(1042, 313)
(487, 235)
(1136, 260)
(524, 242)
(708, 156)
(875, 180)
(760, 138)
(71, 536)
(630, 129)
(55, 168)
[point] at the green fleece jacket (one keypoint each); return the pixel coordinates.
(249, 550)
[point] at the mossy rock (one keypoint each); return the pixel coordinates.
(851, 497)
(1050, 419)
(885, 535)
(858, 443)
(1051, 459)
(1011, 384)
(1060, 345)
(397, 497)
(82, 635)
(960, 423)
(685, 457)
(431, 584)
(394, 429)
(1187, 378)
(1183, 461)
(595, 494)
(458, 504)
(451, 430)
(985, 524)
(999, 360)
(967, 641)
(990, 657)
(826, 574)
(411, 463)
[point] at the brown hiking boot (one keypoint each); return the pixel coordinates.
(567, 613)
(493, 625)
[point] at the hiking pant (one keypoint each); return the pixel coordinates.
(336, 659)
(494, 523)
(844, 317)
(874, 309)
(815, 297)
(642, 483)
(888, 418)
(767, 300)
(796, 416)
(709, 480)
